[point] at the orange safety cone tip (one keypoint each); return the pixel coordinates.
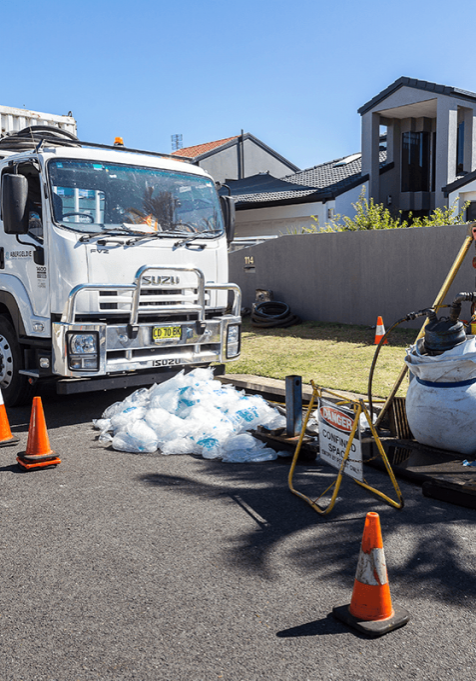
(371, 611)
(380, 332)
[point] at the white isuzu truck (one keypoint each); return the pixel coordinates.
(113, 265)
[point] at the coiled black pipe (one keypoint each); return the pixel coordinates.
(273, 314)
(408, 318)
(27, 137)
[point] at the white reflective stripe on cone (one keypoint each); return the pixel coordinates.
(1, 398)
(371, 568)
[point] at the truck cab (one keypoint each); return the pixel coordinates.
(113, 266)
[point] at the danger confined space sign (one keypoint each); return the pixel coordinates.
(335, 425)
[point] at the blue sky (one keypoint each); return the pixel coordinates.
(291, 73)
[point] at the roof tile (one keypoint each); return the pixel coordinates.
(325, 180)
(200, 149)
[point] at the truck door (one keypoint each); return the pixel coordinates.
(25, 255)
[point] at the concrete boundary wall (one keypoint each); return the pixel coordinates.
(352, 277)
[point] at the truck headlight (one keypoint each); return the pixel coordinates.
(80, 343)
(83, 351)
(233, 337)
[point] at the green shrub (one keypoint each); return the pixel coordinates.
(371, 215)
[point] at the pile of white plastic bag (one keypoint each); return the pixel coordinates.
(191, 414)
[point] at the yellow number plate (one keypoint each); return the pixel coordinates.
(160, 333)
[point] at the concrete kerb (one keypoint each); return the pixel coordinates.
(272, 388)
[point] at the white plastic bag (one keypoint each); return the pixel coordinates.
(245, 448)
(457, 364)
(102, 424)
(129, 415)
(181, 445)
(441, 398)
(166, 426)
(136, 437)
(190, 413)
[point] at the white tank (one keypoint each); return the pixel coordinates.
(441, 397)
(13, 120)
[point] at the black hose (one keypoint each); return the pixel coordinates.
(47, 129)
(273, 314)
(409, 317)
(34, 134)
(270, 309)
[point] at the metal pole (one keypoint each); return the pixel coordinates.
(293, 405)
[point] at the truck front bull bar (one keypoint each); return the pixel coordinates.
(69, 312)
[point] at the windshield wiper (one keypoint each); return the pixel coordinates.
(150, 235)
(124, 231)
(105, 232)
(199, 235)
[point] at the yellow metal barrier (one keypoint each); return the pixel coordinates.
(359, 408)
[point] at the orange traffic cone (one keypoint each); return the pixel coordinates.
(370, 610)
(38, 450)
(6, 437)
(380, 332)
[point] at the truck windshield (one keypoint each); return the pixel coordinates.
(90, 196)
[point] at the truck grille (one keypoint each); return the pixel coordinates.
(150, 299)
(140, 302)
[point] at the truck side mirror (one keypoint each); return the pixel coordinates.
(14, 200)
(228, 210)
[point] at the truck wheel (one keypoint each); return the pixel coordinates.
(15, 388)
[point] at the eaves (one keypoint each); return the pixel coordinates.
(457, 184)
(423, 85)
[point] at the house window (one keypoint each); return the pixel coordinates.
(460, 148)
(415, 161)
(471, 212)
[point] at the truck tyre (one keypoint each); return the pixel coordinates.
(15, 388)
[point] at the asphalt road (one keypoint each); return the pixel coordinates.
(124, 566)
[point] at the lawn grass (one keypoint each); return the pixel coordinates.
(335, 356)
